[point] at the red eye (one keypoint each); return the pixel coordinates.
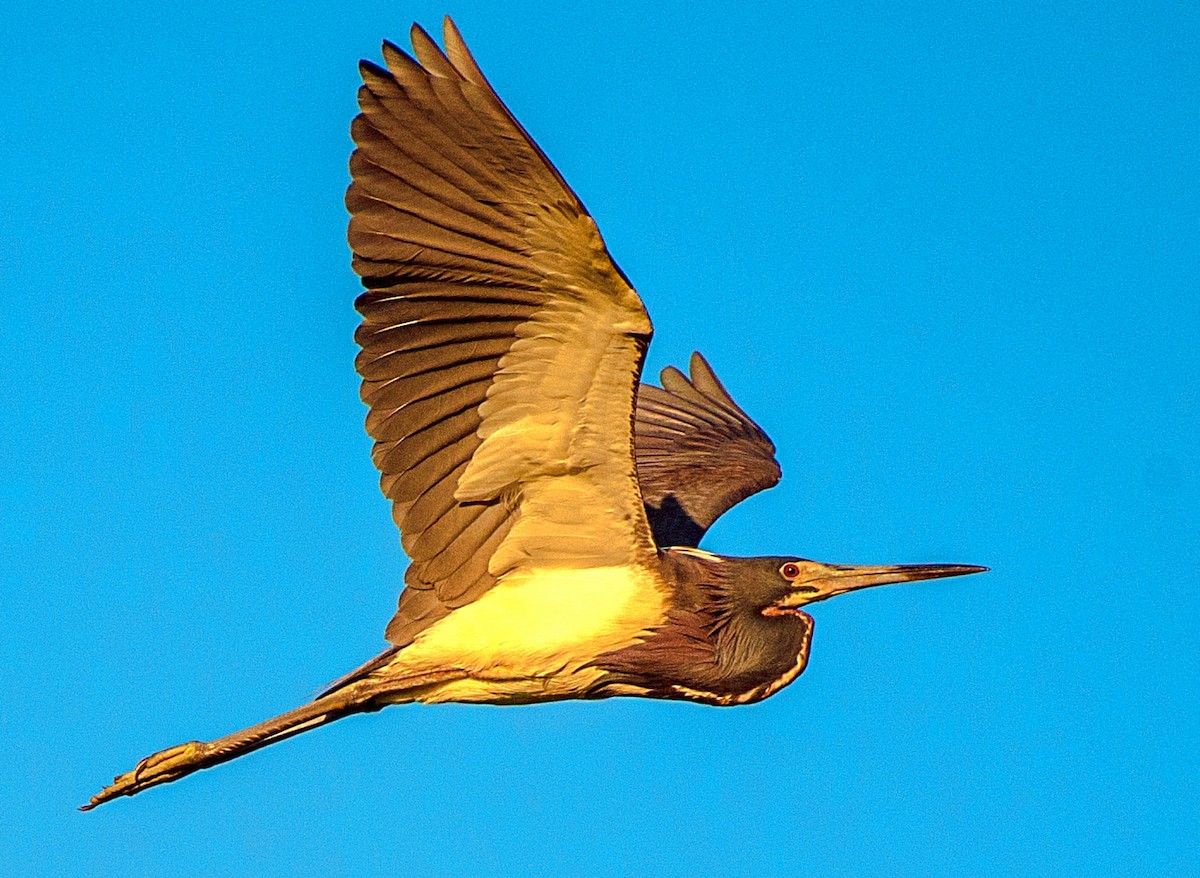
(789, 571)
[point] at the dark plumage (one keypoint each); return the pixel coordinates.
(697, 453)
(549, 502)
(716, 645)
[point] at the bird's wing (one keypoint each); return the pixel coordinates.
(698, 453)
(501, 346)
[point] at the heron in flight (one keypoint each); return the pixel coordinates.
(551, 505)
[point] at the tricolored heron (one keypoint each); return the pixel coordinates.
(550, 504)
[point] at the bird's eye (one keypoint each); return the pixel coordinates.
(789, 571)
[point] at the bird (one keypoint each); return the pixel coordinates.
(550, 503)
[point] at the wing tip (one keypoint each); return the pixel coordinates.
(460, 56)
(417, 33)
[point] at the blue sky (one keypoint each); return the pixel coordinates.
(946, 254)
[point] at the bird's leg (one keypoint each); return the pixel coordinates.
(182, 759)
(175, 762)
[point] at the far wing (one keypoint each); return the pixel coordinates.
(501, 346)
(698, 454)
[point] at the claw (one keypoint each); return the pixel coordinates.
(161, 767)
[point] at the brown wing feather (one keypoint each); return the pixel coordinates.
(501, 346)
(698, 453)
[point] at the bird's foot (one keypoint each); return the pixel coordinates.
(161, 767)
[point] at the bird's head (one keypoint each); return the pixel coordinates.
(779, 586)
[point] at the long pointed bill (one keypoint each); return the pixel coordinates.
(826, 580)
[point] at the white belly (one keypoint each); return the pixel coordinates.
(532, 632)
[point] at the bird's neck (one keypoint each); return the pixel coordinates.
(712, 647)
(757, 655)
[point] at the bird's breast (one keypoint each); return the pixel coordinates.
(543, 623)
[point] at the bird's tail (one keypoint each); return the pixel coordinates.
(359, 696)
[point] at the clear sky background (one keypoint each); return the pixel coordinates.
(946, 254)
